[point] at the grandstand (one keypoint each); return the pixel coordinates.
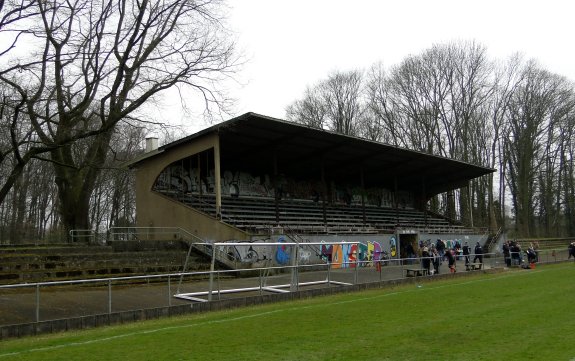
(255, 215)
(255, 177)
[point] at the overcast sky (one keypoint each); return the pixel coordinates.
(292, 44)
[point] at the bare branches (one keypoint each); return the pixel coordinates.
(94, 64)
(335, 103)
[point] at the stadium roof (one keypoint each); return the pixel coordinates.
(250, 141)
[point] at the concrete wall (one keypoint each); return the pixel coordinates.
(156, 210)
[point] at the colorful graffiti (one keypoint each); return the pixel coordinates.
(361, 254)
(350, 255)
(282, 253)
(393, 247)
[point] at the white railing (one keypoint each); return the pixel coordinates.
(42, 301)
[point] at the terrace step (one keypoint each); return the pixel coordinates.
(41, 264)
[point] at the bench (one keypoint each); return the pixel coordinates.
(414, 272)
(473, 266)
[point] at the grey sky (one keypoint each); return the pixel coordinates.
(292, 44)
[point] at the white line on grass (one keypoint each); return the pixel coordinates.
(261, 314)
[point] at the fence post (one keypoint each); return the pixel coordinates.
(169, 290)
(37, 303)
(328, 273)
(109, 296)
(355, 276)
(212, 269)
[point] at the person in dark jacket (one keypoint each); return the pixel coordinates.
(506, 254)
(436, 259)
(426, 259)
(450, 260)
(466, 253)
(440, 246)
(571, 250)
(478, 253)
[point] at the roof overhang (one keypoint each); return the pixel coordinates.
(263, 143)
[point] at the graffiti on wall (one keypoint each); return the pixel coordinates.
(187, 179)
(349, 255)
(247, 253)
(282, 255)
(340, 256)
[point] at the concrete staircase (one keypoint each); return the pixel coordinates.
(20, 264)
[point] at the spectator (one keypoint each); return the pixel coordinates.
(466, 253)
(506, 254)
(440, 245)
(450, 260)
(435, 259)
(571, 250)
(426, 259)
(478, 253)
(515, 251)
(410, 252)
(531, 254)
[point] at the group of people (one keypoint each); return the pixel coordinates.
(513, 253)
(435, 253)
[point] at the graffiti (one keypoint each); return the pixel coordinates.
(282, 254)
(451, 243)
(304, 256)
(243, 254)
(349, 255)
(393, 246)
(364, 255)
(326, 252)
(243, 183)
(337, 259)
(184, 176)
(360, 254)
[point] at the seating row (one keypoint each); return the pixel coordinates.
(316, 217)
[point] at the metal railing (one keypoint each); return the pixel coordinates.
(43, 301)
(84, 235)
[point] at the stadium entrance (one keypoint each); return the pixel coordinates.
(407, 244)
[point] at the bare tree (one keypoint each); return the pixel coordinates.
(535, 112)
(382, 123)
(342, 96)
(310, 110)
(335, 103)
(95, 64)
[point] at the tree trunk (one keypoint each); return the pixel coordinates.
(76, 180)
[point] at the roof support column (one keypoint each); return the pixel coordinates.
(423, 202)
(277, 191)
(395, 201)
(362, 196)
(217, 176)
(469, 196)
(324, 194)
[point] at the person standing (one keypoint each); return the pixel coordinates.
(515, 251)
(440, 246)
(435, 259)
(426, 259)
(410, 253)
(531, 254)
(450, 260)
(466, 253)
(506, 253)
(571, 250)
(478, 253)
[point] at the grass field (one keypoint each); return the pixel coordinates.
(513, 315)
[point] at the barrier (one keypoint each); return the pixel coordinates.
(34, 305)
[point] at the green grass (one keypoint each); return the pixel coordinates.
(514, 315)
